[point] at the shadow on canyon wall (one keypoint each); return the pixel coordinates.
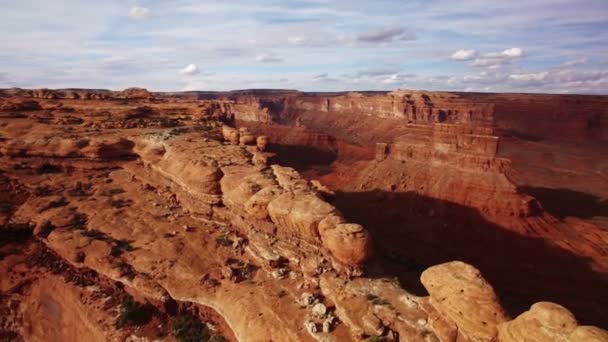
(413, 232)
(507, 133)
(562, 203)
(302, 158)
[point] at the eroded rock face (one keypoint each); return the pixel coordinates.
(548, 322)
(459, 292)
(443, 159)
(300, 213)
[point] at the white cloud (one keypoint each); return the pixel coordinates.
(529, 77)
(387, 34)
(189, 70)
(139, 12)
(573, 63)
(496, 59)
(266, 58)
(464, 55)
(513, 52)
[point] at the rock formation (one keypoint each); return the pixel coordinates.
(459, 292)
(548, 322)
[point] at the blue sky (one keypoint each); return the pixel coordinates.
(558, 46)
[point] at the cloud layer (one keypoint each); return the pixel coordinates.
(319, 45)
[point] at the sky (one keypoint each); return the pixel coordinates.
(549, 46)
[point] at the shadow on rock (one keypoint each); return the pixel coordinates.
(302, 158)
(412, 232)
(562, 203)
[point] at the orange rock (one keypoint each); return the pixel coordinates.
(459, 292)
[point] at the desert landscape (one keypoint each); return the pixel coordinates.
(279, 215)
(304, 171)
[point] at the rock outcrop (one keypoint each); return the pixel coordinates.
(459, 292)
(548, 322)
(442, 160)
(276, 194)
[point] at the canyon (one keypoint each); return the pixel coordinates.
(279, 215)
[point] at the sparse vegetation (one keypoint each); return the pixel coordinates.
(375, 300)
(61, 202)
(120, 246)
(126, 270)
(187, 328)
(80, 190)
(132, 313)
(120, 203)
(111, 192)
(224, 241)
(78, 222)
(425, 333)
(238, 270)
(96, 235)
(46, 229)
(43, 191)
(48, 168)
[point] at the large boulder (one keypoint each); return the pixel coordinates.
(548, 322)
(262, 143)
(257, 205)
(349, 243)
(300, 214)
(459, 292)
(587, 333)
(246, 137)
(231, 134)
(241, 183)
(197, 176)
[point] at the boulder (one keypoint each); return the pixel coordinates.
(262, 143)
(231, 134)
(246, 138)
(300, 214)
(199, 177)
(588, 334)
(548, 322)
(459, 292)
(257, 205)
(349, 243)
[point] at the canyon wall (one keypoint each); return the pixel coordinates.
(409, 106)
(534, 116)
(456, 163)
(575, 118)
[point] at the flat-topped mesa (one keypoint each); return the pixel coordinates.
(406, 105)
(411, 106)
(442, 158)
(82, 94)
